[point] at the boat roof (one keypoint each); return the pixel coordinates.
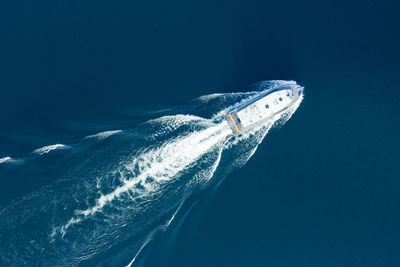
(263, 94)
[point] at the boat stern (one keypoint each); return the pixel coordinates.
(234, 122)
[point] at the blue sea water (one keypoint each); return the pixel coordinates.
(112, 150)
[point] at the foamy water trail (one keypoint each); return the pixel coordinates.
(161, 165)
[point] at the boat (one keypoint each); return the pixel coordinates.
(263, 107)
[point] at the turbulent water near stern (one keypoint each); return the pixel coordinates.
(111, 192)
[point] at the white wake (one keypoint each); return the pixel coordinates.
(160, 165)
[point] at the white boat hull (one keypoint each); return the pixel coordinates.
(263, 107)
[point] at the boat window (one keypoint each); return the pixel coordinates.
(266, 106)
(280, 99)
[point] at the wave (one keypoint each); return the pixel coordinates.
(47, 149)
(103, 135)
(151, 235)
(209, 97)
(5, 159)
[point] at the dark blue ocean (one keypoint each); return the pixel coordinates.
(114, 151)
